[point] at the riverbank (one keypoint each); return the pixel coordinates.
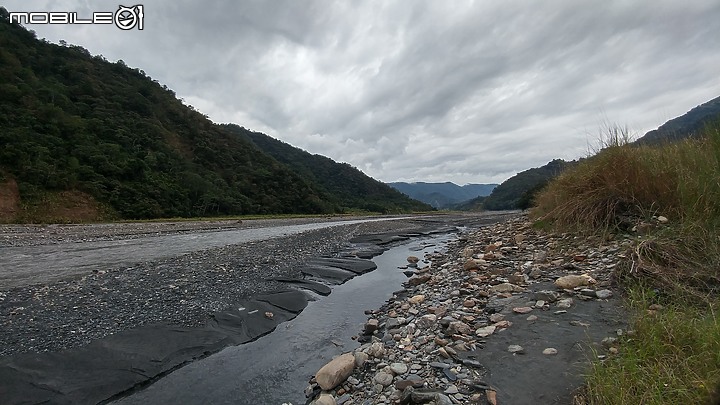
(486, 323)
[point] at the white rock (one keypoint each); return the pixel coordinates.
(486, 331)
(550, 351)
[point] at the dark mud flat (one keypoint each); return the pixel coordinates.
(534, 377)
(131, 358)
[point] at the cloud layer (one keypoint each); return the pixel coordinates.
(463, 91)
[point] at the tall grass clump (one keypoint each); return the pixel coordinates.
(666, 200)
(626, 188)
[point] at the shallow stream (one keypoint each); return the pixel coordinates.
(276, 368)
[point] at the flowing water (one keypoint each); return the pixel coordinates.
(46, 263)
(276, 368)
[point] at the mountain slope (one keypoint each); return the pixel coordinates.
(510, 194)
(687, 125)
(443, 195)
(86, 139)
(344, 186)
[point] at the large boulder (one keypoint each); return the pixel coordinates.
(335, 372)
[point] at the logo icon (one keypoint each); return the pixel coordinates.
(127, 18)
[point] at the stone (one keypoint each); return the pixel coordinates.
(459, 327)
(550, 351)
(399, 368)
(470, 264)
(539, 304)
(522, 310)
(496, 317)
(519, 238)
(662, 219)
(325, 399)
(383, 378)
(416, 299)
(360, 358)
(565, 303)
(506, 287)
(451, 389)
(573, 280)
(469, 303)
(426, 321)
(269, 315)
(376, 350)
(532, 318)
(335, 372)
(516, 349)
(486, 331)
(412, 380)
(416, 280)
(371, 326)
(604, 294)
(517, 278)
(413, 259)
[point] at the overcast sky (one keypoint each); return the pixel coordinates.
(409, 90)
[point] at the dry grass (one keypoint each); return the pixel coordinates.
(674, 355)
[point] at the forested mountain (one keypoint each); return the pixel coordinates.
(687, 125)
(516, 191)
(341, 184)
(443, 195)
(80, 133)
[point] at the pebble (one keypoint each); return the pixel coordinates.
(461, 303)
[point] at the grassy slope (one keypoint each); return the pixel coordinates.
(671, 273)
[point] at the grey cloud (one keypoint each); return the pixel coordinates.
(425, 90)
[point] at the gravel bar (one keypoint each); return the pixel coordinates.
(184, 290)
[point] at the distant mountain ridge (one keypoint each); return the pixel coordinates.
(687, 125)
(443, 195)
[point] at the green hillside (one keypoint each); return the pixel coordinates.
(86, 139)
(516, 191)
(344, 186)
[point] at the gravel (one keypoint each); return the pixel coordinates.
(184, 290)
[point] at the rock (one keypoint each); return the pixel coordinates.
(539, 304)
(496, 317)
(335, 372)
(360, 358)
(588, 292)
(469, 303)
(571, 281)
(506, 287)
(452, 389)
(416, 280)
(547, 296)
(376, 350)
(532, 318)
(459, 327)
(412, 380)
(662, 219)
(416, 299)
(398, 368)
(550, 351)
(486, 331)
(412, 259)
(519, 239)
(269, 315)
(517, 278)
(383, 378)
(604, 294)
(516, 349)
(325, 399)
(426, 321)
(370, 326)
(565, 303)
(522, 310)
(470, 264)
